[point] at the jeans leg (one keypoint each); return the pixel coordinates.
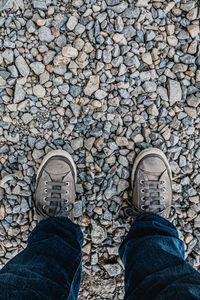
(155, 268)
(49, 267)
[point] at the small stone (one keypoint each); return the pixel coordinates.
(75, 90)
(170, 29)
(149, 86)
(113, 269)
(39, 91)
(22, 66)
(107, 57)
(192, 14)
(37, 67)
(27, 118)
(193, 47)
(162, 92)
(197, 179)
(78, 208)
(88, 143)
(39, 5)
(122, 185)
(187, 6)
(120, 7)
(182, 161)
(92, 85)
(2, 81)
(147, 59)
(45, 35)
(193, 101)
(76, 109)
(100, 94)
(152, 110)
(172, 41)
(119, 39)
(142, 3)
(30, 25)
(194, 199)
(19, 93)
(198, 76)
(187, 59)
(69, 51)
(145, 76)
(119, 24)
(8, 56)
(190, 111)
(116, 62)
(122, 141)
(72, 22)
(138, 138)
(40, 144)
(77, 143)
(98, 234)
(2, 212)
(129, 61)
(179, 68)
(167, 134)
(175, 92)
(60, 111)
(41, 22)
(44, 77)
(193, 30)
(37, 154)
(168, 7)
(197, 222)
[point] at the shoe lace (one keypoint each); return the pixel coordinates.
(57, 203)
(152, 199)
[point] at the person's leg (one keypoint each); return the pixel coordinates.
(152, 253)
(50, 266)
(153, 257)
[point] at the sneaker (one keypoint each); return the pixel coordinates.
(151, 184)
(55, 186)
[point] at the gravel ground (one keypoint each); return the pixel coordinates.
(102, 80)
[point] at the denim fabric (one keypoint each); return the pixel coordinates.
(50, 266)
(155, 268)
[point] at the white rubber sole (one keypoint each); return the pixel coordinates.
(144, 153)
(55, 153)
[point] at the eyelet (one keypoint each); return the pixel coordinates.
(142, 207)
(163, 198)
(141, 181)
(162, 181)
(66, 192)
(142, 191)
(45, 191)
(67, 183)
(46, 182)
(44, 206)
(142, 199)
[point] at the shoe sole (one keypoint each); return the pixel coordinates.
(144, 153)
(57, 153)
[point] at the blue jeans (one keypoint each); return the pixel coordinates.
(50, 266)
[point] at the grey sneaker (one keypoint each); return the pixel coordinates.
(151, 184)
(55, 185)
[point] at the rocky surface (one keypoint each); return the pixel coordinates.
(102, 80)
